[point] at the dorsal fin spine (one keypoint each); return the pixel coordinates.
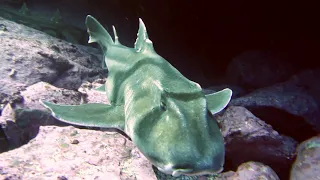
(116, 38)
(143, 43)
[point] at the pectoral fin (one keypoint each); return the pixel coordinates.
(218, 100)
(92, 115)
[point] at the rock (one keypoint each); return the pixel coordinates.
(91, 94)
(4, 143)
(45, 91)
(307, 164)
(98, 155)
(298, 96)
(306, 81)
(248, 138)
(250, 171)
(256, 69)
(21, 123)
(34, 56)
(11, 99)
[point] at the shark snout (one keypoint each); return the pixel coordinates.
(169, 169)
(200, 167)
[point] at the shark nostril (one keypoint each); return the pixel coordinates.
(163, 106)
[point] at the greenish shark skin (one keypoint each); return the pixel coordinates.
(167, 116)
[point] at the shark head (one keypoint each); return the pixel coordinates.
(177, 132)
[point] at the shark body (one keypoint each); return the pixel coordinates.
(166, 115)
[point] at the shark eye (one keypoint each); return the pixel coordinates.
(163, 106)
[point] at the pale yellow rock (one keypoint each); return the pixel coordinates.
(97, 155)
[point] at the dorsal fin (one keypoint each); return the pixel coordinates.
(97, 33)
(143, 42)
